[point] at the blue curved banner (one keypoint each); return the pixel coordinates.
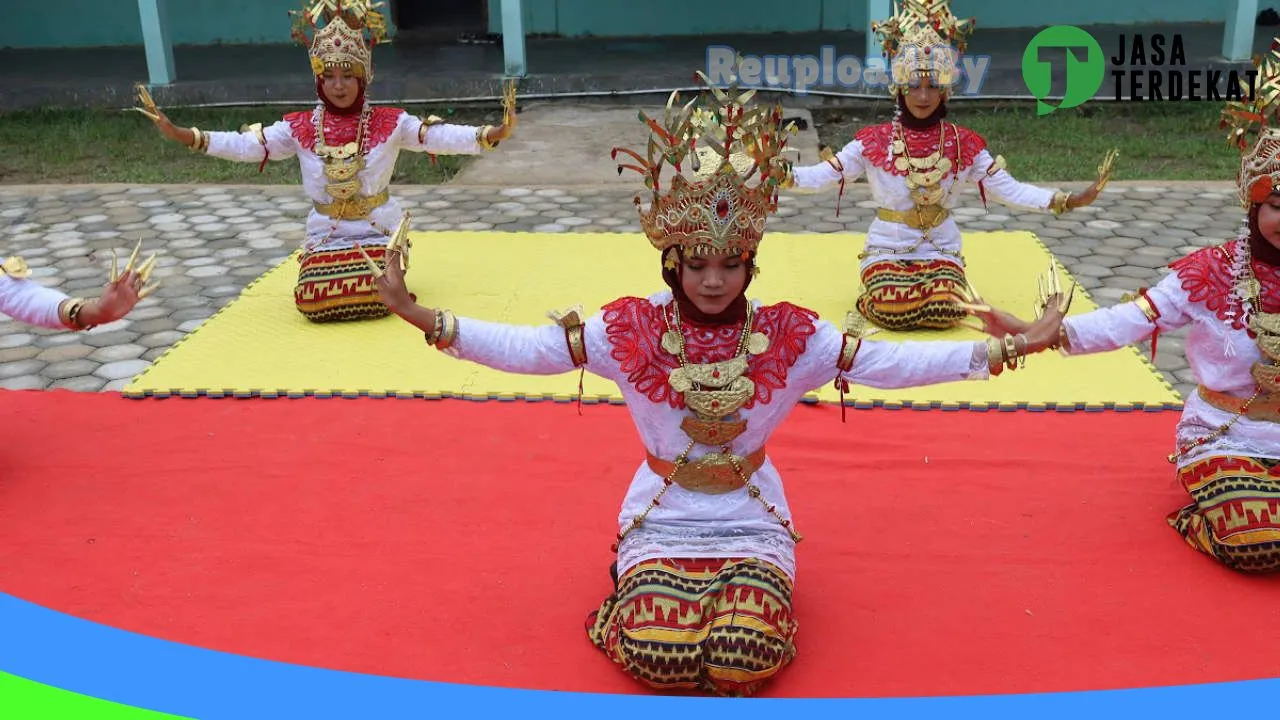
(98, 661)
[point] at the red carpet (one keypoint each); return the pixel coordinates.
(945, 553)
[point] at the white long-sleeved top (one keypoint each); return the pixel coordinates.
(622, 345)
(1219, 349)
(27, 301)
(390, 131)
(868, 154)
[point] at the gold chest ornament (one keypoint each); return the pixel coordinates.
(342, 163)
(924, 175)
(715, 392)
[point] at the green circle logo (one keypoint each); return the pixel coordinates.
(1084, 71)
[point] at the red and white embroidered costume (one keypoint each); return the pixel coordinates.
(1228, 438)
(705, 514)
(912, 268)
(347, 158)
(870, 154)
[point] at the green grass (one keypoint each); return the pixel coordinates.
(86, 146)
(1156, 141)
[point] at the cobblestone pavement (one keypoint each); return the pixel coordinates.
(216, 239)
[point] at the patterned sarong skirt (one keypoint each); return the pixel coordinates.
(707, 625)
(913, 294)
(1234, 515)
(337, 285)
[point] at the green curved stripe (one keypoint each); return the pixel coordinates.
(22, 699)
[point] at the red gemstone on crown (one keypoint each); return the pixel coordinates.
(722, 208)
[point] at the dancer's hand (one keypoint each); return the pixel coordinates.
(504, 131)
(389, 281)
(998, 323)
(1090, 194)
(124, 290)
(162, 122)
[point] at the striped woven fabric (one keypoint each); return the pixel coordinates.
(1235, 513)
(913, 294)
(711, 625)
(336, 285)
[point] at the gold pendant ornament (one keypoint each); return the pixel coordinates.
(671, 342)
(757, 343)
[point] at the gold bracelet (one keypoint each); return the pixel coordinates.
(994, 363)
(69, 313)
(450, 334)
(445, 332)
(482, 138)
(437, 327)
(1010, 353)
(1058, 204)
(199, 141)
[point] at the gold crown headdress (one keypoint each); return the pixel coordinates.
(345, 32)
(1259, 174)
(922, 37)
(735, 174)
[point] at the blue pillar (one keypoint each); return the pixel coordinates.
(513, 38)
(877, 11)
(155, 34)
(1237, 40)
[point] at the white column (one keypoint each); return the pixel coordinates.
(513, 38)
(1237, 40)
(159, 45)
(877, 11)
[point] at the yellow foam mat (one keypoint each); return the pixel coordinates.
(258, 345)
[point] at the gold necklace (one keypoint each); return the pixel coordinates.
(730, 392)
(342, 163)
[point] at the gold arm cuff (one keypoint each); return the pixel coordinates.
(256, 129)
(357, 208)
(16, 268)
(848, 352)
(427, 122)
(482, 138)
(1058, 205)
(924, 217)
(1147, 307)
(831, 159)
(576, 338)
(574, 332)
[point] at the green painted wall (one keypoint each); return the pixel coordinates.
(619, 18)
(91, 23)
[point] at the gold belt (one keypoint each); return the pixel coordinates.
(357, 208)
(1265, 407)
(920, 218)
(713, 474)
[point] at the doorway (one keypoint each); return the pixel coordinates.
(440, 19)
